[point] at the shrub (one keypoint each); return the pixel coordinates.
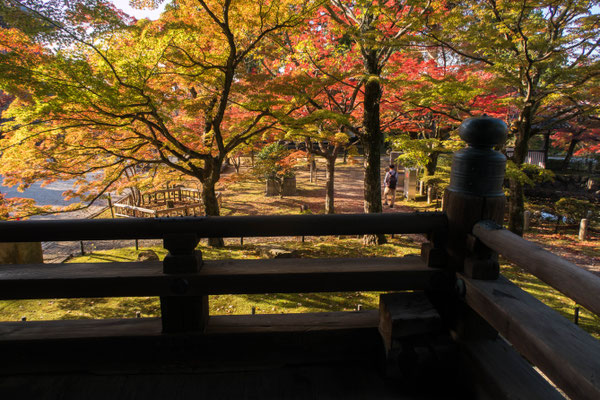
(573, 209)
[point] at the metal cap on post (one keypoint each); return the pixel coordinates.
(475, 193)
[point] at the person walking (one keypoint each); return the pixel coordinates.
(390, 181)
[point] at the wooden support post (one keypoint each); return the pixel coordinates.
(576, 316)
(182, 313)
(408, 323)
(583, 227)
(137, 245)
(526, 220)
(429, 194)
(475, 193)
(81, 246)
(110, 205)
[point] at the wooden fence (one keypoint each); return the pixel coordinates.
(175, 202)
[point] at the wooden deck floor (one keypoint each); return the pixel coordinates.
(327, 356)
(344, 381)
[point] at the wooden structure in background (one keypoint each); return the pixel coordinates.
(174, 202)
(452, 328)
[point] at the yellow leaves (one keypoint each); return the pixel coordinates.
(341, 138)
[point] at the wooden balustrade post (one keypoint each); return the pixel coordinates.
(475, 193)
(182, 313)
(110, 206)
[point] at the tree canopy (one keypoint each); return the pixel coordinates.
(92, 94)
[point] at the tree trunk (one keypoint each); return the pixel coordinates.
(546, 147)
(372, 139)
(432, 164)
(329, 203)
(570, 150)
(516, 207)
(516, 199)
(209, 197)
(313, 168)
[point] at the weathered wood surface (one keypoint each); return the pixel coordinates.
(38, 281)
(498, 372)
(463, 212)
(218, 324)
(232, 226)
(230, 342)
(566, 277)
(569, 356)
(334, 381)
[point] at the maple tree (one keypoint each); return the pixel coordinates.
(375, 30)
(161, 98)
(536, 51)
(320, 74)
(580, 136)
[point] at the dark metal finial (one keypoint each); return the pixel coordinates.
(483, 131)
(478, 169)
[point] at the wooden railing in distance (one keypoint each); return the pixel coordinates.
(182, 202)
(566, 354)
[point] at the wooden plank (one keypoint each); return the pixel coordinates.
(569, 356)
(218, 324)
(499, 372)
(231, 226)
(244, 342)
(39, 281)
(323, 381)
(566, 277)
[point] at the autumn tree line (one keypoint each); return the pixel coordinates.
(95, 95)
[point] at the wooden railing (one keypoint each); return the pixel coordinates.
(566, 354)
(176, 202)
(458, 270)
(185, 279)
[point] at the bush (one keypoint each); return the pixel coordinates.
(573, 209)
(273, 162)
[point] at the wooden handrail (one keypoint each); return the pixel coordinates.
(215, 277)
(566, 277)
(207, 227)
(569, 356)
(135, 208)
